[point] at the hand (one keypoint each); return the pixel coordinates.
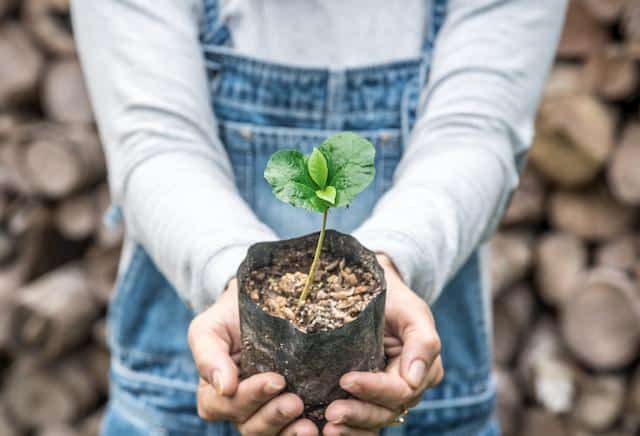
(413, 348)
(255, 405)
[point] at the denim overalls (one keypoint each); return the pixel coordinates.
(262, 107)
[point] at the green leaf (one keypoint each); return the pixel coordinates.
(287, 174)
(350, 160)
(328, 194)
(317, 166)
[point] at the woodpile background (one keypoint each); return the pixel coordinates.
(565, 267)
(566, 264)
(58, 259)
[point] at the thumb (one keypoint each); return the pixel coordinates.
(212, 353)
(421, 346)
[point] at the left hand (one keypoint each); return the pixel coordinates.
(412, 345)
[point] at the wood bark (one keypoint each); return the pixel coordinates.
(513, 313)
(537, 422)
(631, 20)
(582, 32)
(54, 313)
(61, 159)
(15, 273)
(605, 11)
(14, 179)
(601, 323)
(574, 139)
(633, 395)
(512, 253)
(623, 174)
(90, 426)
(612, 73)
(98, 362)
(509, 403)
(99, 333)
(546, 369)
(77, 217)
(21, 66)
(50, 23)
(64, 96)
(6, 6)
(591, 214)
(102, 267)
(559, 258)
(40, 397)
(527, 203)
(9, 123)
(599, 402)
(7, 426)
(58, 430)
(565, 79)
(621, 252)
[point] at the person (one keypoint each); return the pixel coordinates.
(191, 98)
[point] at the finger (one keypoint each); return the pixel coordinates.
(436, 373)
(358, 414)
(273, 416)
(211, 351)
(342, 430)
(252, 394)
(301, 427)
(421, 345)
(392, 346)
(384, 389)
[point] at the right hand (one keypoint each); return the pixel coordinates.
(255, 405)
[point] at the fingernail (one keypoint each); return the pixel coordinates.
(416, 373)
(348, 385)
(340, 420)
(287, 412)
(335, 418)
(216, 381)
(273, 387)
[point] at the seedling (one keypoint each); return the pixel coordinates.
(331, 176)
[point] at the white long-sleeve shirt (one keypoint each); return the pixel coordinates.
(170, 173)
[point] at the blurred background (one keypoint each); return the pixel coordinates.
(565, 266)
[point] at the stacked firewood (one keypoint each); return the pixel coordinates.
(565, 265)
(58, 259)
(566, 261)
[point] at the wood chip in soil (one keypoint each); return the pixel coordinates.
(340, 291)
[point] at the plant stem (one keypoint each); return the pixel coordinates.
(314, 264)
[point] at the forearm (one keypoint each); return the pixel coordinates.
(193, 223)
(432, 219)
(168, 170)
(469, 143)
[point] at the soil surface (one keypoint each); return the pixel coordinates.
(339, 293)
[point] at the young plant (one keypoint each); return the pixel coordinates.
(331, 176)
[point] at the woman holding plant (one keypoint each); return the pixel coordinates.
(193, 97)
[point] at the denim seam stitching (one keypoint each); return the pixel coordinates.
(312, 133)
(268, 109)
(135, 376)
(469, 400)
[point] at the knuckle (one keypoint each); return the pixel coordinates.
(207, 413)
(407, 396)
(435, 345)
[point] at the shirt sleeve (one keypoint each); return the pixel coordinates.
(469, 143)
(168, 170)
